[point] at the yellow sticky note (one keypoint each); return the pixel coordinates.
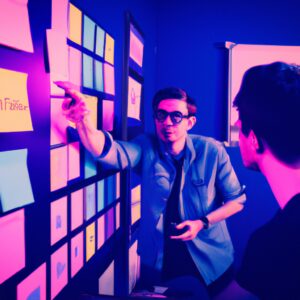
(75, 21)
(90, 241)
(109, 49)
(14, 106)
(92, 105)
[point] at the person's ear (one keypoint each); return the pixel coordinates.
(254, 143)
(191, 122)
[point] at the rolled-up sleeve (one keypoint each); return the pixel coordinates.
(119, 155)
(227, 183)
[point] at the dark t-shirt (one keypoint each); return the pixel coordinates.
(271, 265)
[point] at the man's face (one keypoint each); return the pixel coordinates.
(168, 131)
(247, 148)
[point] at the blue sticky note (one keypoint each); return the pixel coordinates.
(90, 167)
(35, 294)
(110, 190)
(89, 201)
(87, 62)
(100, 194)
(98, 76)
(88, 33)
(15, 186)
(100, 35)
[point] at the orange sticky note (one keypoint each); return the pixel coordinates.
(75, 24)
(109, 49)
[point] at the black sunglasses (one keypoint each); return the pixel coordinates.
(176, 116)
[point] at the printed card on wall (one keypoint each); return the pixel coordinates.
(14, 105)
(59, 270)
(59, 123)
(76, 209)
(106, 281)
(73, 160)
(100, 231)
(89, 201)
(136, 47)
(109, 79)
(33, 287)
(59, 165)
(58, 219)
(76, 253)
(90, 241)
(75, 24)
(15, 185)
(12, 241)
(134, 98)
(107, 115)
(15, 34)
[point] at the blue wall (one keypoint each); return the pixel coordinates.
(187, 57)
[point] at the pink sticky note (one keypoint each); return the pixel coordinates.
(136, 49)
(58, 219)
(109, 79)
(59, 270)
(59, 16)
(59, 123)
(118, 215)
(100, 232)
(73, 160)
(18, 36)
(75, 66)
(59, 164)
(33, 286)
(107, 115)
(12, 241)
(76, 253)
(76, 209)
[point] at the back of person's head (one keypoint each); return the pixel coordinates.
(175, 93)
(269, 104)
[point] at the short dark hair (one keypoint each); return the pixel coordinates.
(175, 93)
(268, 103)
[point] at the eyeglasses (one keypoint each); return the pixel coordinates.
(176, 116)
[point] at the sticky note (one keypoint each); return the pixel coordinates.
(88, 33)
(136, 47)
(100, 36)
(75, 23)
(76, 209)
(100, 231)
(134, 266)
(134, 98)
(58, 167)
(109, 49)
(88, 70)
(107, 115)
(90, 241)
(75, 66)
(89, 201)
(59, 123)
(109, 223)
(90, 166)
(98, 76)
(106, 281)
(100, 195)
(14, 105)
(59, 16)
(118, 216)
(92, 105)
(73, 160)
(110, 192)
(118, 185)
(15, 185)
(135, 204)
(33, 287)
(109, 79)
(58, 219)
(59, 270)
(15, 34)
(76, 253)
(12, 241)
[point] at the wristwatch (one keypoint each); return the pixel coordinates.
(205, 222)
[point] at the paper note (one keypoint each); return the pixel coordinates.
(100, 35)
(106, 281)
(59, 16)
(92, 105)
(90, 166)
(14, 25)
(109, 79)
(100, 232)
(88, 70)
(110, 223)
(135, 204)
(109, 49)
(110, 190)
(90, 241)
(88, 33)
(100, 195)
(12, 241)
(75, 66)
(118, 185)
(134, 266)
(98, 75)
(75, 21)
(76, 209)
(136, 47)
(58, 219)
(14, 106)
(118, 216)
(59, 164)
(134, 98)
(89, 201)
(73, 160)
(76, 253)
(59, 123)
(107, 115)
(33, 287)
(59, 270)
(15, 186)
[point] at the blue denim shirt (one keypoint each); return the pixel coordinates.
(208, 181)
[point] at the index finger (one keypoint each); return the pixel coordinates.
(182, 236)
(66, 85)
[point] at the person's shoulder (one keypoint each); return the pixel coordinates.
(205, 142)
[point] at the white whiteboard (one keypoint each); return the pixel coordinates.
(241, 58)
